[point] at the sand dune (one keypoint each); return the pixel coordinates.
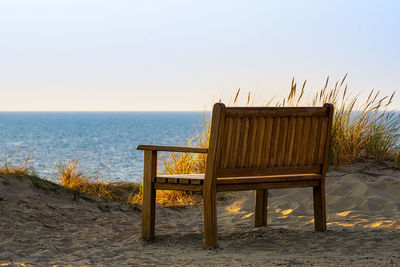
(43, 224)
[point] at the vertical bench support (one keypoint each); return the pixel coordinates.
(261, 207)
(210, 179)
(149, 194)
(210, 216)
(319, 191)
(319, 207)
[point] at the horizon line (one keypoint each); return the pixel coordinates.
(19, 111)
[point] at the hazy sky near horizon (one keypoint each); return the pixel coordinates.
(185, 55)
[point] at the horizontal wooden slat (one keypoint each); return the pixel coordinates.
(173, 148)
(273, 185)
(272, 178)
(159, 180)
(189, 187)
(244, 172)
(199, 176)
(172, 181)
(180, 179)
(184, 181)
(194, 181)
(275, 112)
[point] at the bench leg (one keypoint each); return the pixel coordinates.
(261, 207)
(149, 195)
(319, 207)
(210, 218)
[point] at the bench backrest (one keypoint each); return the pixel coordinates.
(257, 141)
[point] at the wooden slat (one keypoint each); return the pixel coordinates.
(304, 141)
(233, 140)
(160, 180)
(255, 186)
(189, 187)
(242, 172)
(235, 148)
(275, 141)
(290, 143)
(266, 179)
(298, 140)
(197, 176)
(275, 111)
(236, 163)
(192, 181)
(181, 178)
(172, 148)
(227, 143)
(322, 140)
(221, 139)
(317, 141)
(184, 181)
(313, 140)
(261, 138)
(245, 142)
(252, 142)
(282, 142)
(172, 180)
(268, 142)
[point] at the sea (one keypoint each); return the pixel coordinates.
(103, 142)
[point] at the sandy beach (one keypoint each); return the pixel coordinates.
(42, 224)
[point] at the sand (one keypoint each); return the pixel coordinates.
(42, 224)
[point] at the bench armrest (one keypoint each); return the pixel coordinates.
(173, 148)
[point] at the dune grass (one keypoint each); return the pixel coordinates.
(22, 168)
(360, 130)
(71, 177)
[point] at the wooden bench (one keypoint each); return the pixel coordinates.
(251, 148)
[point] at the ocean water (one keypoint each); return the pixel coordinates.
(104, 142)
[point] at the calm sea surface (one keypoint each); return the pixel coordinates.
(104, 142)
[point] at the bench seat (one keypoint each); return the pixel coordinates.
(197, 179)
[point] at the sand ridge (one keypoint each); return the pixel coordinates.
(43, 224)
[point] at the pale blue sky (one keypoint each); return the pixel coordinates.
(184, 55)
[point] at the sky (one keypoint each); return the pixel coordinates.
(94, 55)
